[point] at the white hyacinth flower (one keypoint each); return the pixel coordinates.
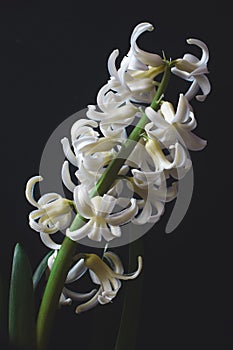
(86, 141)
(109, 278)
(192, 69)
(161, 162)
(75, 273)
(153, 191)
(102, 223)
(139, 59)
(126, 84)
(172, 126)
(53, 212)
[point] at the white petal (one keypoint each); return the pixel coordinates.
(144, 178)
(64, 301)
(30, 188)
(68, 152)
(79, 233)
(115, 115)
(204, 84)
(76, 271)
(106, 297)
(144, 216)
(115, 230)
(192, 141)
(192, 91)
(95, 232)
(48, 198)
(182, 111)
(112, 63)
(83, 143)
(78, 296)
(133, 275)
(123, 216)
(205, 52)
(147, 58)
(51, 259)
(47, 240)
(168, 112)
(115, 261)
(104, 204)
(102, 145)
(66, 179)
(156, 118)
(82, 201)
(135, 64)
(94, 278)
(87, 178)
(79, 127)
(160, 209)
(89, 304)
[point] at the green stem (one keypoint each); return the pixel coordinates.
(63, 260)
(52, 292)
(127, 335)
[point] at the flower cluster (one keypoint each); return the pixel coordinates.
(106, 273)
(159, 159)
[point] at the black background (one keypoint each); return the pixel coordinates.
(52, 63)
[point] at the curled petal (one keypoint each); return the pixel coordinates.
(205, 86)
(124, 216)
(112, 64)
(156, 117)
(106, 297)
(205, 52)
(115, 231)
(132, 275)
(66, 179)
(147, 58)
(115, 115)
(182, 111)
(47, 198)
(83, 127)
(115, 262)
(144, 216)
(64, 300)
(68, 152)
(76, 272)
(90, 303)
(192, 141)
(30, 188)
(83, 202)
(47, 240)
(78, 296)
(81, 232)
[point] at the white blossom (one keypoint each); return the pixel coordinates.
(126, 84)
(160, 160)
(153, 192)
(53, 212)
(109, 278)
(192, 69)
(102, 222)
(171, 126)
(75, 273)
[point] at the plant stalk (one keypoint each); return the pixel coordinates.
(63, 260)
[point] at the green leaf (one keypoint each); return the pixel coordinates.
(22, 330)
(3, 308)
(40, 270)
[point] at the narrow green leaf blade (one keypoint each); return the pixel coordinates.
(40, 270)
(3, 308)
(22, 330)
